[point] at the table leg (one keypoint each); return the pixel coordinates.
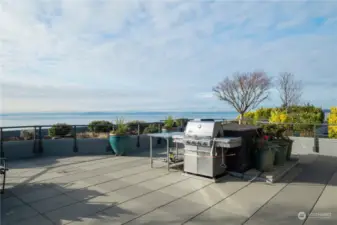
(176, 152)
(168, 153)
(151, 161)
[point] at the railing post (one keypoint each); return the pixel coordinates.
(40, 140)
(316, 140)
(138, 133)
(1, 144)
(75, 149)
(108, 147)
(34, 143)
(159, 139)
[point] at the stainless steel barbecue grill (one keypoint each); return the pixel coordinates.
(205, 147)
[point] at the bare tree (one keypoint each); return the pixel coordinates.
(289, 89)
(244, 91)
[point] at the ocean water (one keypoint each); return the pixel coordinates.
(31, 119)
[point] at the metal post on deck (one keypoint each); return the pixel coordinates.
(75, 139)
(1, 144)
(138, 133)
(40, 140)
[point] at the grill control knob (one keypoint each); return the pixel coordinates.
(188, 142)
(193, 142)
(204, 144)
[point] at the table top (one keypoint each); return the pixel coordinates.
(165, 135)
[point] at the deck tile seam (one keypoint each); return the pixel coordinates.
(29, 217)
(61, 193)
(75, 173)
(320, 195)
(108, 207)
(91, 176)
(272, 197)
(288, 184)
(79, 201)
(61, 165)
(168, 203)
(85, 200)
(218, 202)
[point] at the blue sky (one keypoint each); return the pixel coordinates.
(119, 55)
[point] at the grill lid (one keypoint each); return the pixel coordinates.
(203, 129)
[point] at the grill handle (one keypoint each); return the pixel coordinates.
(190, 150)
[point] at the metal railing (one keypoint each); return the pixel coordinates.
(39, 131)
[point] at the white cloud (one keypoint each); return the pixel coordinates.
(139, 55)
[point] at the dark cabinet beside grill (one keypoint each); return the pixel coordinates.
(239, 159)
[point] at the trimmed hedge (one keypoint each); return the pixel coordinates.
(181, 122)
(100, 126)
(60, 130)
(133, 126)
(27, 134)
(152, 128)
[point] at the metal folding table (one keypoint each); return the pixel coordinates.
(167, 137)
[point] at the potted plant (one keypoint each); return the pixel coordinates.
(281, 147)
(264, 155)
(168, 124)
(119, 139)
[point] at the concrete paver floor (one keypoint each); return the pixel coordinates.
(99, 190)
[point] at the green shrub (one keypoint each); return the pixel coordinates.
(133, 126)
(152, 128)
(27, 134)
(60, 130)
(100, 126)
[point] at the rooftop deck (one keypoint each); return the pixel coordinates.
(102, 190)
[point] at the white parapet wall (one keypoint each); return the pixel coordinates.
(305, 145)
(92, 146)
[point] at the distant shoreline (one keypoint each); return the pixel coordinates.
(121, 112)
(39, 119)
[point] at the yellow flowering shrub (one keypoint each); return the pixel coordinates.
(332, 119)
(263, 114)
(278, 116)
(333, 110)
